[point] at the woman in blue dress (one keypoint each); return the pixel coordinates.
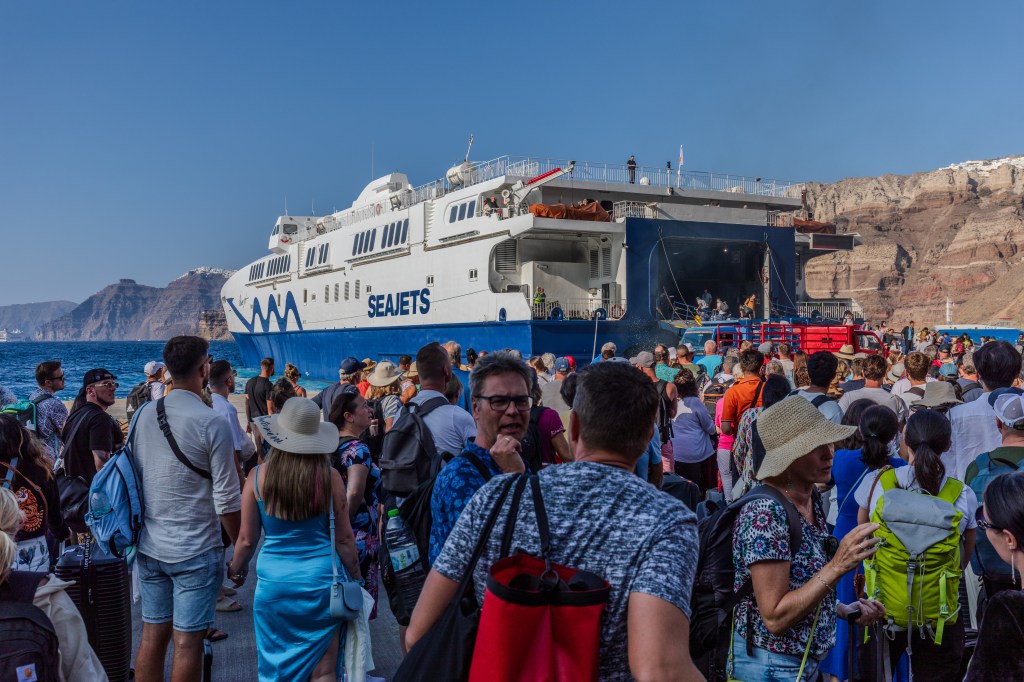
(288, 497)
(878, 426)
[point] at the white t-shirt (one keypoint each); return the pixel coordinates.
(903, 383)
(830, 408)
(879, 396)
(966, 503)
(224, 408)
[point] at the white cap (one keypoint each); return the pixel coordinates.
(153, 367)
(1009, 409)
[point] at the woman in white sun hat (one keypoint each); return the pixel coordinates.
(386, 389)
(785, 628)
(289, 497)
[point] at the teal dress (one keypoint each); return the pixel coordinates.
(292, 606)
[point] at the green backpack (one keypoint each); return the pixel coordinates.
(916, 571)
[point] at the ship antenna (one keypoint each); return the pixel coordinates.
(470, 146)
(286, 204)
(371, 160)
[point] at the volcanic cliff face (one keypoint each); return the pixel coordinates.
(130, 311)
(28, 316)
(956, 232)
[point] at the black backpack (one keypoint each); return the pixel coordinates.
(28, 642)
(713, 598)
(714, 392)
(664, 412)
(408, 456)
(137, 397)
(415, 509)
(531, 452)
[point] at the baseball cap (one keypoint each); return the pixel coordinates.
(945, 348)
(351, 365)
(644, 358)
(1009, 409)
(94, 376)
(948, 369)
(152, 367)
(562, 365)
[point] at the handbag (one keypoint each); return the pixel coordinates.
(540, 620)
(445, 652)
(346, 596)
(73, 490)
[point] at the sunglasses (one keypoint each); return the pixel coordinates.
(979, 516)
(106, 384)
(59, 378)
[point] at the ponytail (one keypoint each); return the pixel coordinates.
(928, 435)
(878, 426)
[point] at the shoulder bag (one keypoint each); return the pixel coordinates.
(346, 596)
(161, 418)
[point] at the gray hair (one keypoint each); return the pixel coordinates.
(347, 378)
(774, 367)
(454, 352)
(710, 347)
(729, 363)
(549, 360)
(499, 362)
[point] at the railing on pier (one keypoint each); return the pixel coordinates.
(580, 309)
(780, 219)
(632, 209)
(829, 310)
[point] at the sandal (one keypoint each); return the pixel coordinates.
(228, 605)
(215, 635)
(228, 591)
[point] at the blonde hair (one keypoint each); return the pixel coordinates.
(291, 372)
(296, 487)
(378, 392)
(10, 521)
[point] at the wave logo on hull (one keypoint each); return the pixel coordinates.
(273, 312)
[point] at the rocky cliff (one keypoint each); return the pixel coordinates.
(28, 316)
(130, 311)
(956, 232)
(213, 325)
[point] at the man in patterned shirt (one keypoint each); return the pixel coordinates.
(602, 519)
(51, 413)
(500, 387)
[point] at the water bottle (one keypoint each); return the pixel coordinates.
(405, 560)
(99, 504)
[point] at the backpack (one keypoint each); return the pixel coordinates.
(532, 452)
(664, 413)
(26, 411)
(714, 392)
(28, 641)
(415, 509)
(137, 397)
(969, 386)
(408, 456)
(818, 400)
(115, 513)
(916, 571)
(985, 561)
(713, 598)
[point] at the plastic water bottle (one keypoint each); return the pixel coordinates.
(99, 503)
(405, 560)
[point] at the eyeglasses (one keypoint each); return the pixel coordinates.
(500, 403)
(106, 384)
(60, 378)
(979, 516)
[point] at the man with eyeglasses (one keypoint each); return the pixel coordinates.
(500, 389)
(51, 414)
(90, 434)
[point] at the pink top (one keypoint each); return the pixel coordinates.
(549, 424)
(724, 441)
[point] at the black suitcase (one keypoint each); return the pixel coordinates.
(207, 661)
(102, 593)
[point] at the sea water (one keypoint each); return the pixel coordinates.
(123, 359)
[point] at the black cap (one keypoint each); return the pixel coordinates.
(95, 376)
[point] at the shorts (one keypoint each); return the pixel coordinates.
(184, 592)
(765, 666)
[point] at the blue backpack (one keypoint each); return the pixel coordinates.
(985, 561)
(115, 500)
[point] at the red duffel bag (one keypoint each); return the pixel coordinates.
(540, 621)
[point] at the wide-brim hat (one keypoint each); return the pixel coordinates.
(896, 372)
(791, 429)
(936, 394)
(368, 364)
(412, 371)
(297, 429)
(847, 353)
(384, 374)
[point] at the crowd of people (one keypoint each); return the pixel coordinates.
(875, 506)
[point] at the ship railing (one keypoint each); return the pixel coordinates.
(580, 309)
(780, 219)
(829, 310)
(632, 209)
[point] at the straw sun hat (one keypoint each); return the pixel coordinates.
(791, 429)
(384, 374)
(297, 429)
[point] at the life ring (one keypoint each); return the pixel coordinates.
(285, 240)
(617, 311)
(377, 209)
(600, 314)
(556, 314)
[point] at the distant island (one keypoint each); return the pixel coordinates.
(129, 311)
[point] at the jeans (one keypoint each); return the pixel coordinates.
(184, 592)
(765, 666)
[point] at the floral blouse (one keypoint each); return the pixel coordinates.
(761, 533)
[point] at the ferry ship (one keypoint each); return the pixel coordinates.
(539, 255)
(10, 335)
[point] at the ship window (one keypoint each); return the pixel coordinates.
(291, 229)
(606, 261)
(327, 294)
(390, 234)
(309, 259)
(373, 238)
(453, 214)
(472, 275)
(384, 236)
(368, 288)
(462, 211)
(594, 264)
(405, 230)
(430, 280)
(346, 291)
(357, 288)
(279, 300)
(355, 244)
(314, 297)
(471, 211)
(335, 293)
(506, 256)
(305, 295)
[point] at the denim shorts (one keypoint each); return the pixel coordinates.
(765, 666)
(184, 592)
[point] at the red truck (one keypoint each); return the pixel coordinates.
(810, 338)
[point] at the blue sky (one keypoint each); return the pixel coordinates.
(143, 139)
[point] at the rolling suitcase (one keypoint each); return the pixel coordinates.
(207, 661)
(102, 593)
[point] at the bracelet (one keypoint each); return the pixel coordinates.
(823, 582)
